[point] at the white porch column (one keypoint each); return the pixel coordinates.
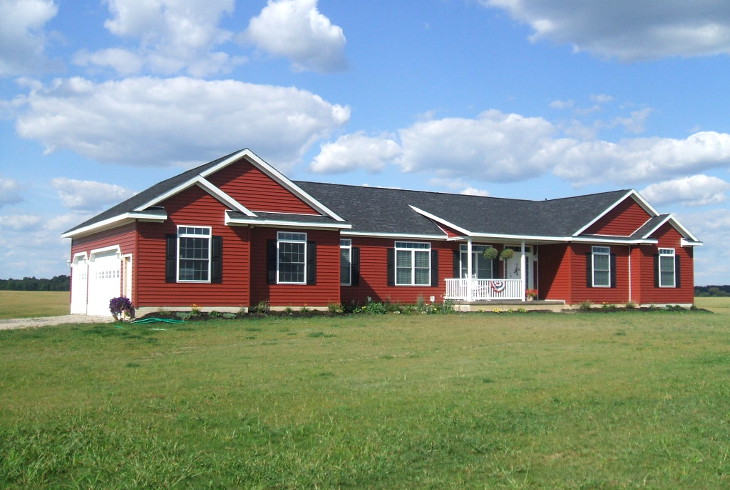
(468, 269)
(523, 270)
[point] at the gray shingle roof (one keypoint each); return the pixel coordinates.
(380, 210)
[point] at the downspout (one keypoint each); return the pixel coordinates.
(523, 271)
(630, 292)
(468, 269)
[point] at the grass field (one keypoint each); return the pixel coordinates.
(597, 400)
(27, 304)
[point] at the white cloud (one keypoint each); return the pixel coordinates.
(9, 191)
(712, 261)
(122, 61)
(87, 194)
(473, 191)
(19, 222)
(697, 190)
(295, 29)
(499, 147)
(627, 29)
(638, 159)
(356, 151)
(22, 40)
(156, 122)
(494, 147)
(173, 36)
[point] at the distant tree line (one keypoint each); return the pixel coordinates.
(712, 290)
(57, 283)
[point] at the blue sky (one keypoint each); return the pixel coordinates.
(526, 99)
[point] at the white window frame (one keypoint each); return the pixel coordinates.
(414, 248)
(294, 238)
(668, 253)
(477, 249)
(601, 251)
(346, 246)
(200, 232)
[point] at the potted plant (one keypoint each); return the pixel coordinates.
(507, 253)
(490, 253)
(531, 294)
(121, 307)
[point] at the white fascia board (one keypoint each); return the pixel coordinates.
(279, 177)
(222, 196)
(288, 224)
(633, 194)
(686, 234)
(444, 222)
(113, 222)
(594, 239)
(687, 243)
(404, 236)
(191, 182)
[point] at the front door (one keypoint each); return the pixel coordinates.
(512, 267)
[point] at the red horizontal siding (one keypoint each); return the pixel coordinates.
(623, 220)
(327, 288)
(668, 237)
(192, 207)
(257, 191)
(554, 272)
(374, 274)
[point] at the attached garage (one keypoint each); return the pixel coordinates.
(95, 281)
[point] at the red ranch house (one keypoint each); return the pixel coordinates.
(236, 232)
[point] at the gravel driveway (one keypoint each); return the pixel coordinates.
(52, 320)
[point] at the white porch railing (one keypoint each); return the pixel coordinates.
(484, 289)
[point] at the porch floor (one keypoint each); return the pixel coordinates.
(509, 304)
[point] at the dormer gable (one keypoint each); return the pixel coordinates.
(623, 218)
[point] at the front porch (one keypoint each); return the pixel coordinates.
(485, 289)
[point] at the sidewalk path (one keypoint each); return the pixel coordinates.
(51, 320)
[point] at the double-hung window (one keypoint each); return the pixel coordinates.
(667, 269)
(345, 261)
(194, 253)
(601, 266)
(412, 264)
(291, 257)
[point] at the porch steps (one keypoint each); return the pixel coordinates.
(510, 304)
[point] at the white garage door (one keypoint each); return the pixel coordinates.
(79, 285)
(105, 281)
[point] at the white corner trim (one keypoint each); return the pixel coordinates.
(444, 222)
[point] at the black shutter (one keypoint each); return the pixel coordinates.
(613, 270)
(271, 261)
(457, 265)
(355, 266)
(434, 268)
(171, 258)
(656, 271)
(589, 269)
(311, 263)
(216, 265)
(676, 271)
(391, 267)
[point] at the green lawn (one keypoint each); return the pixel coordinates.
(28, 304)
(597, 400)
